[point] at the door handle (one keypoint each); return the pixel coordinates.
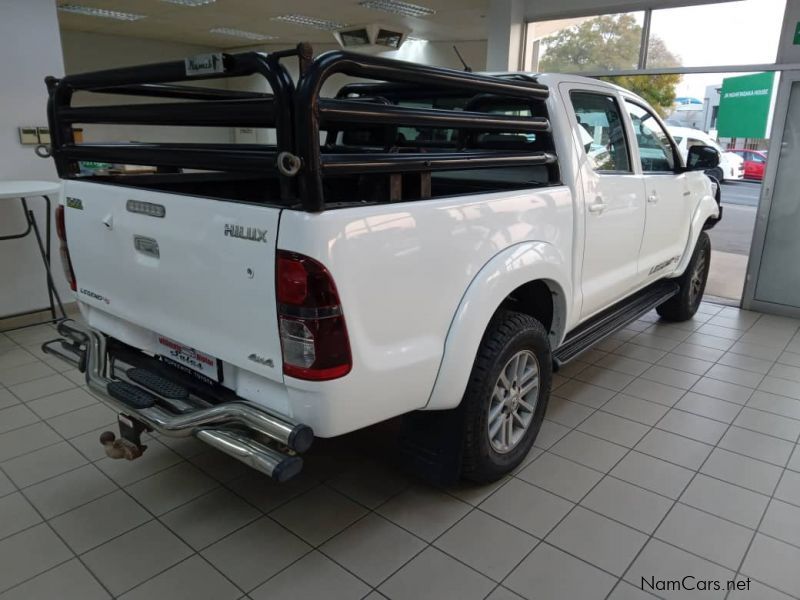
(652, 198)
(597, 207)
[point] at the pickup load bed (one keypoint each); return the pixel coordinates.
(426, 242)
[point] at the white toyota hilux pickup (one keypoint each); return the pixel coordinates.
(419, 241)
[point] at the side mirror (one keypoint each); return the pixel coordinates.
(701, 158)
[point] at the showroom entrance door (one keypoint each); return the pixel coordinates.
(773, 274)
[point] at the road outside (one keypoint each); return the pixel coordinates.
(735, 231)
(731, 238)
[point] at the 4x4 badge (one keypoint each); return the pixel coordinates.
(254, 234)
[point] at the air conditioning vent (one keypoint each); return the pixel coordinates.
(375, 37)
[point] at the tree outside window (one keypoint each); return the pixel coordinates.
(612, 43)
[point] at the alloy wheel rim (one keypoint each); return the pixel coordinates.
(696, 282)
(514, 400)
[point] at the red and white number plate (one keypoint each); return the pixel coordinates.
(187, 356)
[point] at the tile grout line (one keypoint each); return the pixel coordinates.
(74, 555)
(715, 447)
(764, 514)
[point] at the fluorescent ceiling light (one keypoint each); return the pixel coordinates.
(248, 35)
(411, 38)
(190, 2)
(305, 21)
(399, 8)
(91, 11)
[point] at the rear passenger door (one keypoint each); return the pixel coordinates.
(669, 210)
(613, 198)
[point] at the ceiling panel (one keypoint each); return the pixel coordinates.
(454, 20)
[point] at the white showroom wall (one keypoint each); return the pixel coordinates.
(30, 47)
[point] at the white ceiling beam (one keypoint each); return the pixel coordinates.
(505, 35)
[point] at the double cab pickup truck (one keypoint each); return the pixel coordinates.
(402, 240)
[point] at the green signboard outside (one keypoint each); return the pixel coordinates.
(745, 106)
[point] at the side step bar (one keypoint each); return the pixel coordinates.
(613, 319)
(232, 427)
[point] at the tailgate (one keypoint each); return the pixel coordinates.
(202, 274)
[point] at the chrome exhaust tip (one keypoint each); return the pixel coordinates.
(280, 467)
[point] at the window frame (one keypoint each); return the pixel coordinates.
(622, 116)
(677, 159)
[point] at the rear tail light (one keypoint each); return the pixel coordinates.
(66, 263)
(312, 328)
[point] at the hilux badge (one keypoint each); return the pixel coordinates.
(254, 234)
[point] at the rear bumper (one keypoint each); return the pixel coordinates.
(238, 427)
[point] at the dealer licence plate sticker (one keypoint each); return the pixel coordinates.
(187, 356)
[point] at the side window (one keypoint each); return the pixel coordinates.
(655, 149)
(602, 132)
(757, 158)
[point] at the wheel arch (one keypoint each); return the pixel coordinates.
(532, 278)
(706, 209)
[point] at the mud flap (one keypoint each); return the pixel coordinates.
(431, 444)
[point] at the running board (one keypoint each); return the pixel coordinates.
(613, 319)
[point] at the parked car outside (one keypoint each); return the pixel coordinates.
(755, 162)
(731, 165)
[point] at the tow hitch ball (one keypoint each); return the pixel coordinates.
(129, 443)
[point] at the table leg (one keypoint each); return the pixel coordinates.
(45, 254)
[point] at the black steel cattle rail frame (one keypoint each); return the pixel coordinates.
(213, 107)
(298, 114)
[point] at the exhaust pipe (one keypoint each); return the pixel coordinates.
(258, 456)
(203, 422)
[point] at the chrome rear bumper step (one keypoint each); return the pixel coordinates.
(233, 427)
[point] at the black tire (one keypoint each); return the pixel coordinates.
(684, 304)
(509, 334)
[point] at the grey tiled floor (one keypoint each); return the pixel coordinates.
(668, 450)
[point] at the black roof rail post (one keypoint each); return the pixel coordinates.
(61, 134)
(283, 90)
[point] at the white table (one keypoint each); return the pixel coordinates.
(22, 190)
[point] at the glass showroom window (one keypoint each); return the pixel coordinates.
(746, 32)
(598, 43)
(709, 35)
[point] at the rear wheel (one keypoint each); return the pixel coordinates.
(506, 396)
(683, 305)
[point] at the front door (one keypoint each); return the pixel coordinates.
(613, 194)
(668, 206)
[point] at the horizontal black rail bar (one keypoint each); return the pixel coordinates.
(251, 112)
(395, 71)
(185, 92)
(214, 157)
(398, 91)
(351, 111)
(409, 91)
(164, 72)
(352, 164)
